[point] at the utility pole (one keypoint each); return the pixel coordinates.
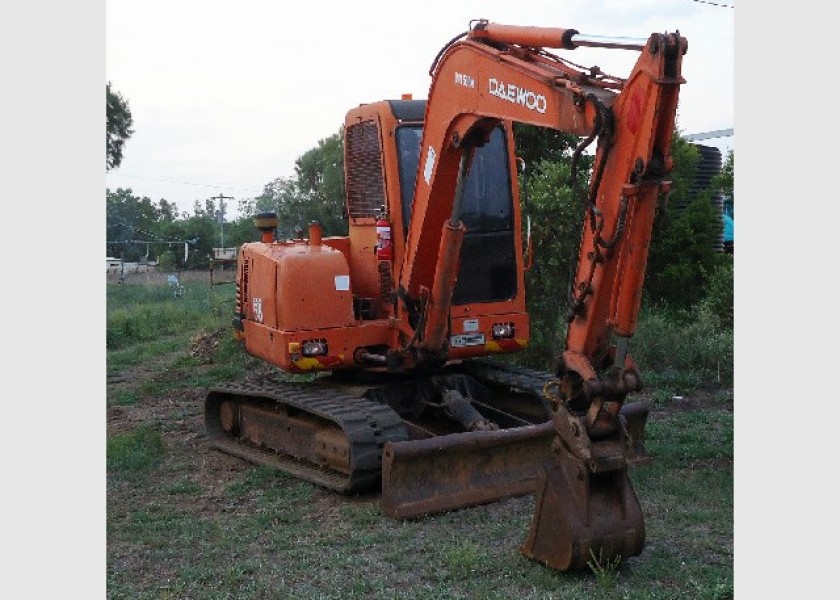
(221, 198)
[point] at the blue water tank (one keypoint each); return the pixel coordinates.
(728, 228)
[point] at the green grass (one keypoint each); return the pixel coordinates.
(699, 435)
(186, 522)
(183, 488)
(605, 569)
(138, 313)
(465, 559)
(123, 397)
(143, 352)
(135, 452)
(151, 335)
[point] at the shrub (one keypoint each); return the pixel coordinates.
(555, 225)
(719, 296)
(167, 261)
(682, 252)
(684, 348)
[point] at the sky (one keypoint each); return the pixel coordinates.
(226, 96)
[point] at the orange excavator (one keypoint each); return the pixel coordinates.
(400, 320)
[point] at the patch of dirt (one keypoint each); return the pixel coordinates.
(694, 400)
(203, 346)
(189, 459)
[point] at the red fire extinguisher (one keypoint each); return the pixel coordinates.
(384, 247)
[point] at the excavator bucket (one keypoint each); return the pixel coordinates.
(438, 474)
(581, 516)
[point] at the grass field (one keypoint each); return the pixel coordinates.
(185, 521)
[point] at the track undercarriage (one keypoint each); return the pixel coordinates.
(475, 433)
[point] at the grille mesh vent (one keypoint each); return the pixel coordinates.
(365, 186)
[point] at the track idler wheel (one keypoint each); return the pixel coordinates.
(581, 516)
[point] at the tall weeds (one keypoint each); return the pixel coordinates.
(138, 313)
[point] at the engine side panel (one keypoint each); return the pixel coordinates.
(313, 289)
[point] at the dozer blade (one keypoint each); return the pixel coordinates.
(438, 474)
(581, 516)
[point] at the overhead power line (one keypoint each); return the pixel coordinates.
(206, 185)
(718, 4)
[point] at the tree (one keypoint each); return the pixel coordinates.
(556, 217)
(119, 124)
(132, 221)
(724, 182)
(129, 219)
(534, 143)
(320, 181)
(682, 252)
(294, 210)
(203, 230)
(314, 193)
(168, 210)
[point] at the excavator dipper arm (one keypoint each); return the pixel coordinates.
(504, 73)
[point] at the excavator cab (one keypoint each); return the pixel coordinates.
(488, 265)
(383, 163)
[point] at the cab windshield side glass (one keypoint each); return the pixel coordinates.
(487, 201)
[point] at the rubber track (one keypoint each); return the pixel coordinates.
(366, 424)
(511, 377)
